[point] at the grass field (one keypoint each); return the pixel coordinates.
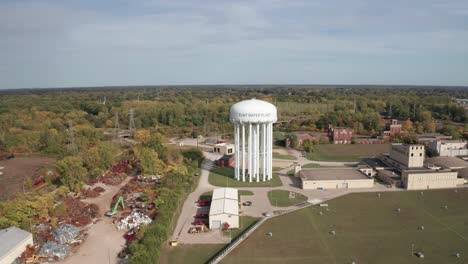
(224, 177)
(244, 223)
(280, 198)
(197, 254)
(347, 152)
(277, 155)
(368, 229)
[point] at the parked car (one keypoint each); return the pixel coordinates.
(201, 216)
(248, 203)
(199, 222)
(267, 214)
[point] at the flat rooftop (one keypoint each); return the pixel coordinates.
(448, 162)
(332, 174)
(10, 238)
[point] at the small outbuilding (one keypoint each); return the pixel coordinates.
(13, 242)
(224, 208)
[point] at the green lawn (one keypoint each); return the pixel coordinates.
(276, 155)
(196, 254)
(281, 198)
(347, 152)
(368, 229)
(244, 223)
(224, 177)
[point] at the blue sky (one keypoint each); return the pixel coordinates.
(57, 43)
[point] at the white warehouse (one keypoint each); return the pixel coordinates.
(224, 208)
(13, 242)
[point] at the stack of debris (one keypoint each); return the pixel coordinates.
(134, 220)
(89, 193)
(80, 213)
(117, 173)
(63, 236)
(58, 251)
(65, 233)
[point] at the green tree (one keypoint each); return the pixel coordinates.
(72, 173)
(150, 164)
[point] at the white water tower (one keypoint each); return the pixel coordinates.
(253, 131)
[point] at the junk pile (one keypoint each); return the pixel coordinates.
(134, 220)
(89, 193)
(137, 195)
(99, 189)
(117, 173)
(80, 213)
(58, 247)
(54, 249)
(65, 233)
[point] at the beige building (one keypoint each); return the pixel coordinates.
(409, 156)
(224, 208)
(429, 179)
(449, 148)
(13, 242)
(333, 179)
(224, 148)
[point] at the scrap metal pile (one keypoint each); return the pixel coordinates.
(133, 220)
(79, 213)
(57, 245)
(117, 173)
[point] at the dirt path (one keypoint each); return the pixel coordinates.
(104, 241)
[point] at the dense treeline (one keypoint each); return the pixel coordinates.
(42, 120)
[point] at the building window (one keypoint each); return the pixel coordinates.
(420, 154)
(412, 154)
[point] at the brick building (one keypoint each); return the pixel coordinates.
(340, 135)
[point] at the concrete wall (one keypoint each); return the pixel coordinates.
(233, 221)
(17, 251)
(337, 184)
(430, 180)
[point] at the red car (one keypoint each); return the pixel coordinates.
(201, 216)
(199, 223)
(204, 203)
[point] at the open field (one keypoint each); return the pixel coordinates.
(280, 198)
(16, 170)
(347, 152)
(368, 229)
(277, 155)
(224, 177)
(196, 254)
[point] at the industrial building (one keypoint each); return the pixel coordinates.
(224, 148)
(420, 179)
(340, 135)
(406, 156)
(449, 148)
(406, 168)
(334, 178)
(13, 242)
(224, 208)
(253, 131)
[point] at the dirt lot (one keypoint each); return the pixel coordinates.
(16, 170)
(104, 241)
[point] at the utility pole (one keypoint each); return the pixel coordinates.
(131, 123)
(73, 147)
(414, 112)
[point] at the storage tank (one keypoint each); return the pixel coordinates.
(253, 131)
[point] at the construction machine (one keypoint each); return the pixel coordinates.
(113, 212)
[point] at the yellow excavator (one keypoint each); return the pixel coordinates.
(113, 212)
